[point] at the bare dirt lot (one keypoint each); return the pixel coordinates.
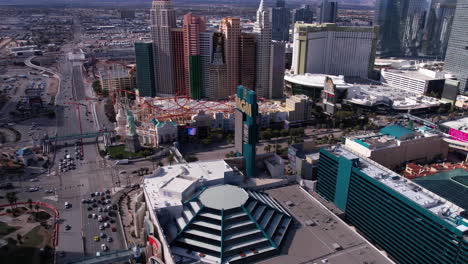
(52, 88)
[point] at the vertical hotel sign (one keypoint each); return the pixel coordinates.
(244, 106)
(246, 128)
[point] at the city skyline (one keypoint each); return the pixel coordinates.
(267, 131)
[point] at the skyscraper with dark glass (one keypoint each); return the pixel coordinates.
(328, 11)
(145, 69)
(390, 16)
(456, 59)
(414, 27)
(304, 14)
(438, 27)
(280, 20)
(247, 60)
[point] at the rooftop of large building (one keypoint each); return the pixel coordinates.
(407, 64)
(315, 27)
(420, 74)
(166, 186)
(390, 136)
(316, 80)
(369, 95)
(226, 223)
(114, 72)
(451, 184)
(319, 236)
(424, 198)
(459, 124)
(396, 131)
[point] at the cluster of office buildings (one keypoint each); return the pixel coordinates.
(417, 28)
(201, 62)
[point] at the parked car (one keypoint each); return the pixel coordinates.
(67, 227)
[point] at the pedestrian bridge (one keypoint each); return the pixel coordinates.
(79, 136)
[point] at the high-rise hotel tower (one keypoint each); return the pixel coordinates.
(230, 27)
(262, 29)
(163, 19)
(193, 26)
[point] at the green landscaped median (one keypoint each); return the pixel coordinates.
(34, 238)
(6, 229)
(119, 152)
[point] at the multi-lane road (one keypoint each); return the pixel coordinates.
(76, 113)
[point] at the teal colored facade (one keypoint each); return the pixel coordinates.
(408, 232)
(145, 69)
(249, 131)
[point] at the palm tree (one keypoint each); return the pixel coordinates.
(170, 158)
(11, 197)
(30, 204)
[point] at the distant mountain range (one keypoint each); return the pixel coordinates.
(148, 2)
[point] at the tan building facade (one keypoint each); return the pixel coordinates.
(393, 153)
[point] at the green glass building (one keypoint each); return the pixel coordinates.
(412, 224)
(195, 77)
(145, 69)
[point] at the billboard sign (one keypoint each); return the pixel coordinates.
(153, 242)
(192, 131)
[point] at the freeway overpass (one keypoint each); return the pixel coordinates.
(34, 66)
